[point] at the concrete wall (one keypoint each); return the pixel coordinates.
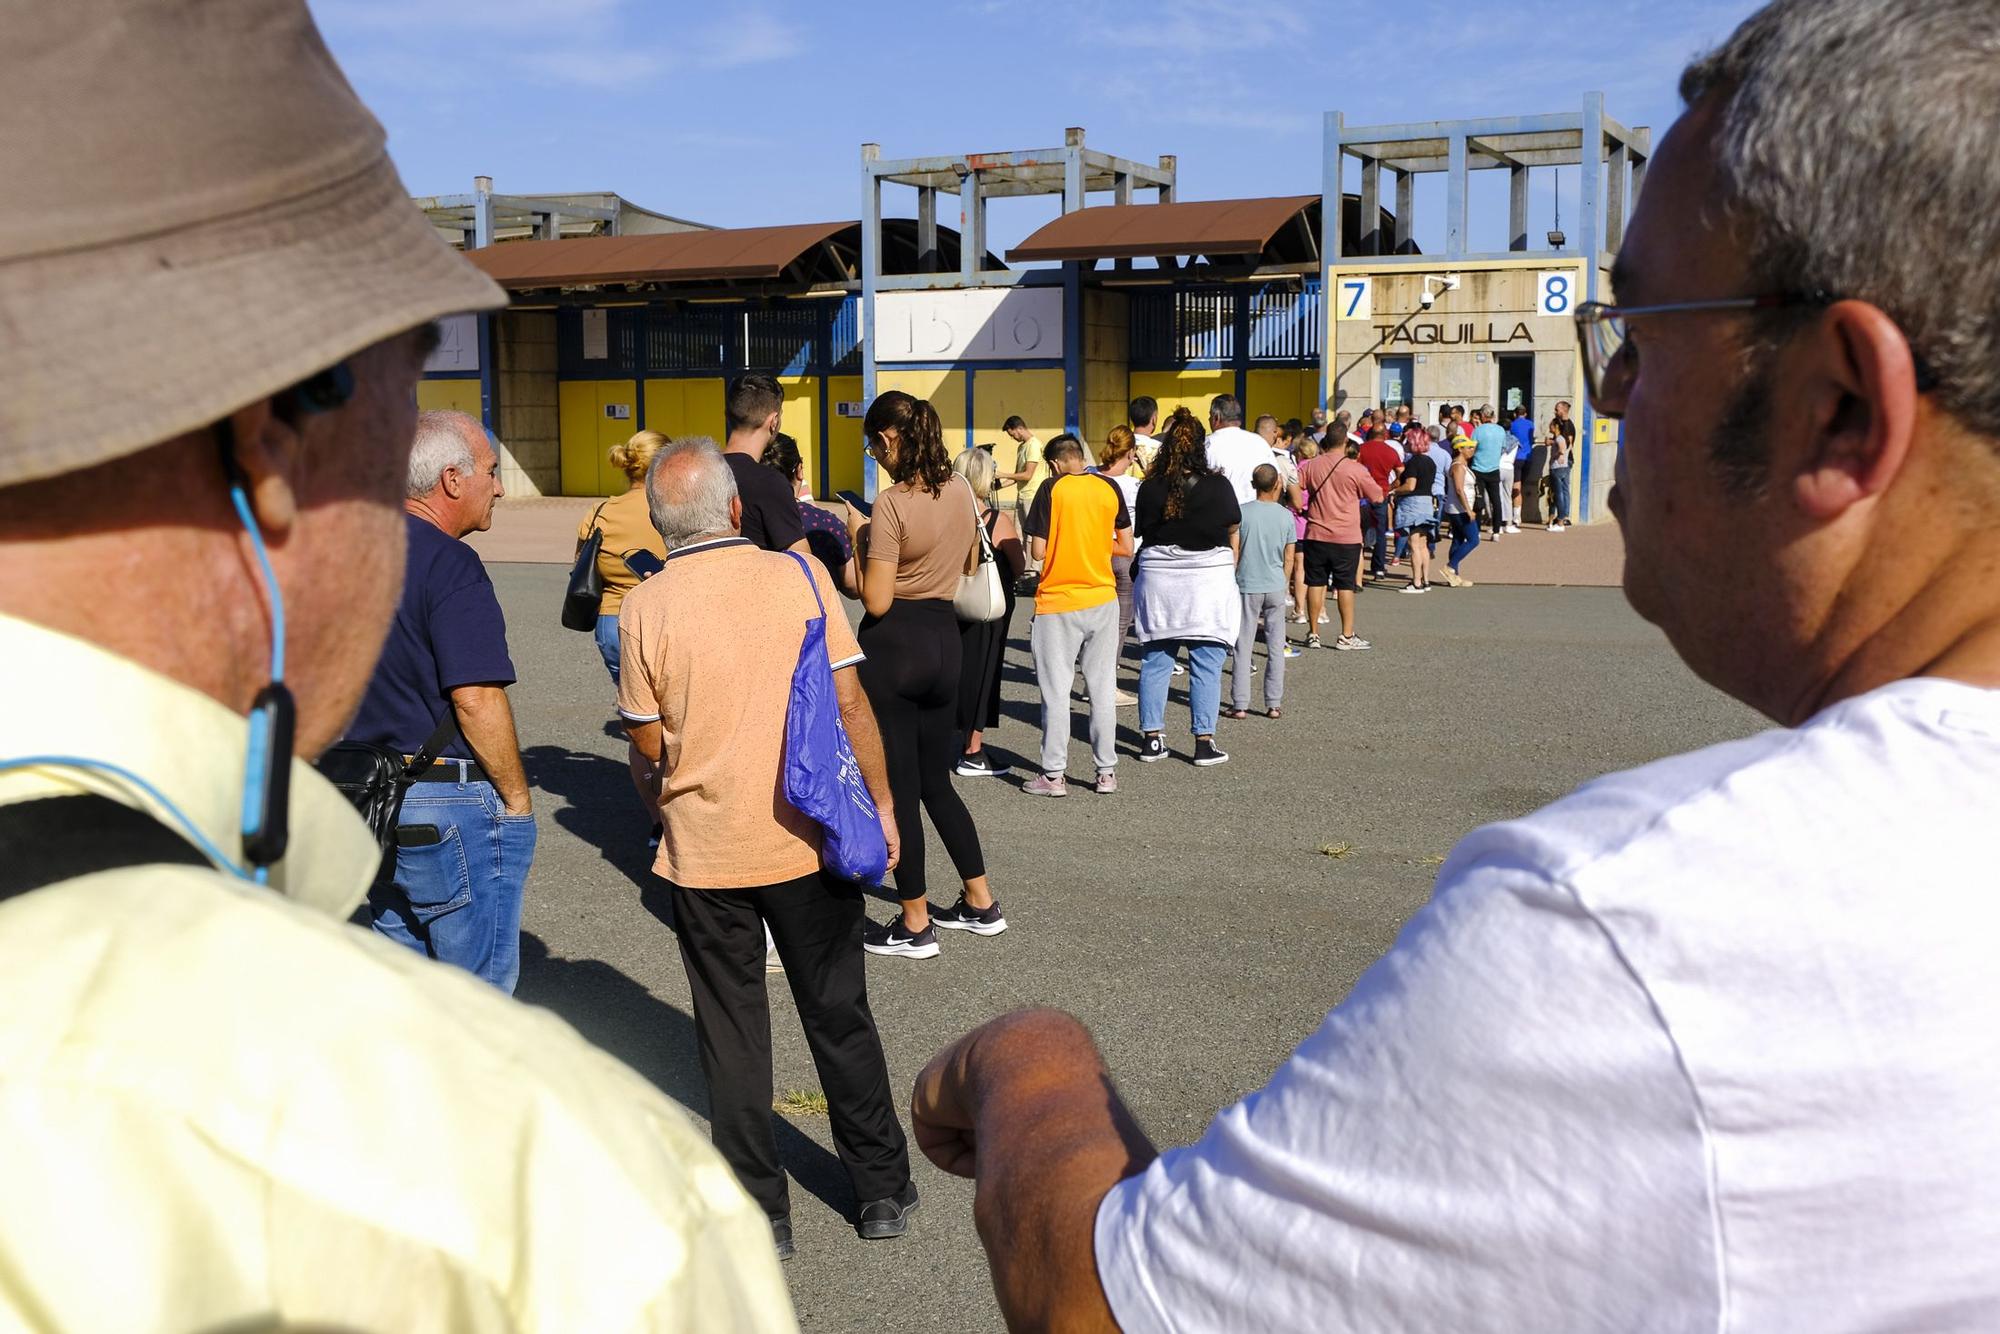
(1107, 355)
(529, 425)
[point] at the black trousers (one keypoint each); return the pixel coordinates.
(816, 923)
(1489, 491)
(911, 676)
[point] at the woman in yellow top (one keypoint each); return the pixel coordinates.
(628, 529)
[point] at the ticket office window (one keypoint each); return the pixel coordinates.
(1393, 376)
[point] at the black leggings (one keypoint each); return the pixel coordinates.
(1489, 487)
(911, 675)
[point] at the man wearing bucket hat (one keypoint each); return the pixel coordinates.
(215, 299)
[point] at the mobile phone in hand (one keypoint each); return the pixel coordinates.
(857, 504)
(643, 563)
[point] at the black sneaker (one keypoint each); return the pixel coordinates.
(974, 766)
(881, 1219)
(1206, 752)
(892, 937)
(962, 916)
(781, 1233)
(1152, 747)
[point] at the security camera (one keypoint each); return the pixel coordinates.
(1427, 300)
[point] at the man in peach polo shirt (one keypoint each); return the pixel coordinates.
(707, 650)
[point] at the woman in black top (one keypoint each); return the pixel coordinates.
(1184, 582)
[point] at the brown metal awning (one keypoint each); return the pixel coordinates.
(730, 253)
(1143, 231)
(802, 255)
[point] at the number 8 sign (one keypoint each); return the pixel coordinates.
(1556, 293)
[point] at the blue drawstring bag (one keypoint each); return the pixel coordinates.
(822, 779)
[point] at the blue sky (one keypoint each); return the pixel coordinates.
(754, 113)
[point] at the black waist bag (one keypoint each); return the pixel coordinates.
(374, 779)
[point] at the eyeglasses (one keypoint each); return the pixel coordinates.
(1609, 367)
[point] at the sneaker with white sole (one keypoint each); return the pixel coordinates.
(1293, 651)
(1513, 527)
(1206, 752)
(974, 765)
(1557, 527)
(1152, 747)
(1312, 641)
(1324, 619)
(1350, 643)
(1046, 785)
(1296, 618)
(1107, 782)
(962, 916)
(892, 937)
(1418, 588)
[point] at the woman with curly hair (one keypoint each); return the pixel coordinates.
(1184, 584)
(923, 537)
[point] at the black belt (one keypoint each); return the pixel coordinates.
(449, 770)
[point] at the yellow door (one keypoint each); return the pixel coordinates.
(1284, 394)
(676, 408)
(801, 421)
(592, 416)
(843, 437)
(1189, 389)
(450, 395)
(1036, 397)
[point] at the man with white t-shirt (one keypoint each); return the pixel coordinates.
(1706, 1045)
(1233, 451)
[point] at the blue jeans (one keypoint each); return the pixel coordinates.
(1464, 537)
(1204, 683)
(459, 900)
(1559, 479)
(1375, 514)
(607, 644)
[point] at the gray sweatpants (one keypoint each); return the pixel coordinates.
(1266, 612)
(1058, 638)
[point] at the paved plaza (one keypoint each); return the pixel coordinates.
(1201, 921)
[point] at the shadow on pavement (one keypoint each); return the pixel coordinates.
(658, 1040)
(599, 807)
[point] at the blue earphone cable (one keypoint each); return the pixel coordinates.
(241, 500)
(187, 827)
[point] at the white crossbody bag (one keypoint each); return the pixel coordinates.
(982, 594)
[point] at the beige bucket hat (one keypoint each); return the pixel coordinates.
(196, 211)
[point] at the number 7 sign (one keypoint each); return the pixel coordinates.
(1355, 299)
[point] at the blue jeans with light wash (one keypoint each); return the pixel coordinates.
(1204, 683)
(607, 645)
(1559, 479)
(458, 900)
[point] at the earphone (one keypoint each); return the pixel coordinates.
(267, 777)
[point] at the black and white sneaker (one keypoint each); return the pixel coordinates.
(1152, 747)
(1206, 752)
(881, 1219)
(962, 916)
(974, 765)
(892, 937)
(781, 1236)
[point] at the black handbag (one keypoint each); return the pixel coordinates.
(375, 779)
(585, 593)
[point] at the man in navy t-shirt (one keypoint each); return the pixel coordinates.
(466, 837)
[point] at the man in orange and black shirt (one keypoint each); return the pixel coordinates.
(1077, 523)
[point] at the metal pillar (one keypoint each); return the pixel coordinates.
(1455, 198)
(1517, 208)
(971, 227)
(1329, 244)
(871, 270)
(1371, 206)
(1591, 220)
(927, 238)
(1073, 199)
(1406, 198)
(483, 324)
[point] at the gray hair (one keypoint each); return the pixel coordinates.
(1226, 410)
(693, 503)
(1827, 103)
(443, 441)
(976, 466)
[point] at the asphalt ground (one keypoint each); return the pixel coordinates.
(1201, 921)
